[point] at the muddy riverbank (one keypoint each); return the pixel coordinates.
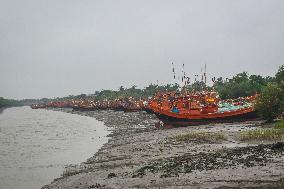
(138, 155)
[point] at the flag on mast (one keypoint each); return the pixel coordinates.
(205, 77)
(174, 70)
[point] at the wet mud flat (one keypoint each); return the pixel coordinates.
(138, 155)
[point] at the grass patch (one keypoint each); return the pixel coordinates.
(223, 158)
(279, 124)
(201, 137)
(263, 134)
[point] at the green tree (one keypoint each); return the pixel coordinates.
(279, 77)
(121, 88)
(240, 85)
(270, 103)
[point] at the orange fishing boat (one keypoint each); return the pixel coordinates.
(205, 107)
(38, 106)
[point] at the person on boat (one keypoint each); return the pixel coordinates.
(175, 110)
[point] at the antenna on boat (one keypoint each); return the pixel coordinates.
(184, 77)
(174, 70)
(182, 73)
(214, 82)
(195, 77)
(205, 74)
(201, 74)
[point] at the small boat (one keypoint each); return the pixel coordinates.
(201, 108)
(38, 106)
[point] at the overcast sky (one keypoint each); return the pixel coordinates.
(52, 48)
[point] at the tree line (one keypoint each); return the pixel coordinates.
(9, 103)
(270, 102)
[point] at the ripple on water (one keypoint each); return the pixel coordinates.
(36, 145)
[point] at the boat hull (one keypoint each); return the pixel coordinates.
(148, 110)
(83, 109)
(174, 121)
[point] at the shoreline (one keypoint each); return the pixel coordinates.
(140, 156)
(2, 109)
(36, 145)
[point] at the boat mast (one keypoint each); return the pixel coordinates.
(205, 74)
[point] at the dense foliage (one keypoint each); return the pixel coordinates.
(135, 92)
(270, 103)
(241, 85)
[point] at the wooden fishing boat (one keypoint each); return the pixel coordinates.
(38, 106)
(184, 119)
(84, 108)
(199, 109)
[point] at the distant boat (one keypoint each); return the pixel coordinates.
(37, 106)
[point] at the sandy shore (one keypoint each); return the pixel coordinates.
(140, 156)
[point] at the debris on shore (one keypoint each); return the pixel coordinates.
(138, 155)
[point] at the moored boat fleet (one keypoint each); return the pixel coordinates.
(191, 108)
(125, 104)
(176, 108)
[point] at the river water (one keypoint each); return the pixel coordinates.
(36, 145)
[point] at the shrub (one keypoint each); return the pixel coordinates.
(262, 134)
(200, 137)
(270, 102)
(279, 124)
